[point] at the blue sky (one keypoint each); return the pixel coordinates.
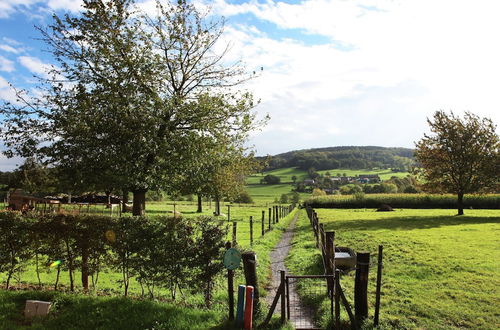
(341, 72)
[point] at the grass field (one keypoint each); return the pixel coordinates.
(440, 271)
(286, 174)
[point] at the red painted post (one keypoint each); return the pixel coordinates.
(248, 308)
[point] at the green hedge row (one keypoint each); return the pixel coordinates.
(172, 253)
(410, 201)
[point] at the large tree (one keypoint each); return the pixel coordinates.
(132, 97)
(460, 156)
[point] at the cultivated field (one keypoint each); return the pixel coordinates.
(440, 271)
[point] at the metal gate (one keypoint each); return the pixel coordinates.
(315, 292)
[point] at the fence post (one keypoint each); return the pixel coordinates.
(330, 257)
(361, 286)
(263, 219)
(230, 288)
(251, 230)
(250, 270)
(269, 219)
(235, 224)
(337, 299)
(283, 316)
(379, 284)
(228, 213)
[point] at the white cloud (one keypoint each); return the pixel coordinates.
(6, 64)
(6, 92)
(69, 5)
(35, 65)
(419, 55)
(9, 49)
(9, 7)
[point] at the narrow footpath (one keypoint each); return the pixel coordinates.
(278, 256)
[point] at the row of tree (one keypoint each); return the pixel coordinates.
(170, 253)
(137, 102)
(345, 157)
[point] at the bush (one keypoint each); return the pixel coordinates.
(271, 179)
(243, 197)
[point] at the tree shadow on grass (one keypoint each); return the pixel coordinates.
(409, 223)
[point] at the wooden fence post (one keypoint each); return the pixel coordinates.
(235, 224)
(263, 225)
(330, 257)
(250, 269)
(361, 286)
(251, 230)
(337, 298)
(379, 284)
(283, 316)
(228, 213)
(269, 228)
(230, 288)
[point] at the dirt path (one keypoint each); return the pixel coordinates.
(278, 256)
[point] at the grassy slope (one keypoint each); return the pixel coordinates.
(440, 271)
(286, 174)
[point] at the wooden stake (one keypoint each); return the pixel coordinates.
(283, 316)
(230, 288)
(263, 225)
(251, 230)
(379, 285)
(361, 286)
(235, 224)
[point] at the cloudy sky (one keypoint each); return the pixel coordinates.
(351, 72)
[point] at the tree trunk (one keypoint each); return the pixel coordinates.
(69, 198)
(200, 206)
(70, 267)
(139, 202)
(124, 201)
(460, 203)
(108, 197)
(217, 206)
(85, 269)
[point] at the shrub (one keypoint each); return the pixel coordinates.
(271, 179)
(243, 197)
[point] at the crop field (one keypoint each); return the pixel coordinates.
(440, 271)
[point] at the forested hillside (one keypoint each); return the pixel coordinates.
(344, 157)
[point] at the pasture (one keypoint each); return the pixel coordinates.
(285, 174)
(440, 271)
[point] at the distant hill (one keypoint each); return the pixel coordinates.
(349, 157)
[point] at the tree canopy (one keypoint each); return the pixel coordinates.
(133, 99)
(461, 155)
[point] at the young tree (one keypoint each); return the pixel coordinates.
(144, 94)
(460, 156)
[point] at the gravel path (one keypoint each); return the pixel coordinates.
(278, 256)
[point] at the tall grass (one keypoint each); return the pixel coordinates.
(410, 201)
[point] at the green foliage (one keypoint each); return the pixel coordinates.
(412, 201)
(16, 246)
(271, 179)
(461, 155)
(283, 199)
(344, 157)
(243, 197)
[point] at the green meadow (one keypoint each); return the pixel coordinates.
(440, 271)
(286, 174)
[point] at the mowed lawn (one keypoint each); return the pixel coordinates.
(440, 271)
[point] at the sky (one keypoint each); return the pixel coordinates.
(335, 72)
